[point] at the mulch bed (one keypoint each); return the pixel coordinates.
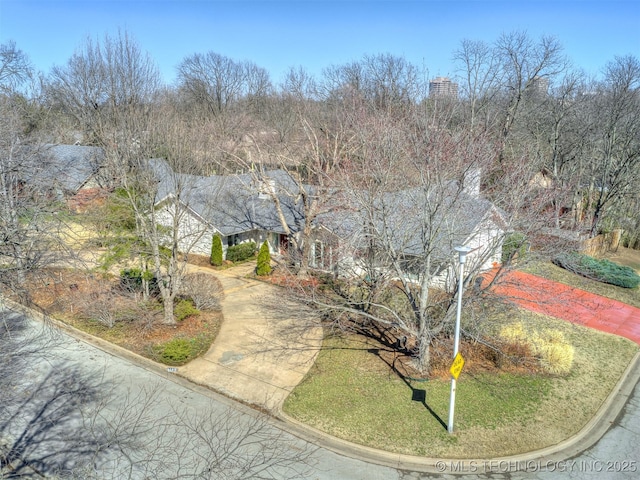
(68, 295)
(479, 358)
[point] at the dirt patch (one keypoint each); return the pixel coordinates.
(625, 256)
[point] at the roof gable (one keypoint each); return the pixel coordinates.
(68, 166)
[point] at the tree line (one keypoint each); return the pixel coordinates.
(556, 150)
(519, 94)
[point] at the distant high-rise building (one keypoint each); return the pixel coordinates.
(443, 87)
(540, 86)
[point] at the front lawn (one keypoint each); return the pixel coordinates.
(353, 394)
(624, 256)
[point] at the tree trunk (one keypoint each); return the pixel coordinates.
(167, 304)
(423, 357)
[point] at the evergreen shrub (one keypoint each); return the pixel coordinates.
(263, 266)
(241, 252)
(514, 246)
(216, 251)
(184, 309)
(131, 280)
(174, 352)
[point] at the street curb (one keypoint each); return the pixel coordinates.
(142, 362)
(535, 460)
(593, 431)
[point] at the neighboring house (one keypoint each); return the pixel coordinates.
(238, 210)
(69, 173)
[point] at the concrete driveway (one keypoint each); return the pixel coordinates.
(258, 356)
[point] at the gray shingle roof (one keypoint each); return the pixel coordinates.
(413, 220)
(231, 203)
(68, 167)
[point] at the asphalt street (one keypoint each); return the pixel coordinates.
(148, 421)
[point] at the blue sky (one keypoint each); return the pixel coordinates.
(278, 34)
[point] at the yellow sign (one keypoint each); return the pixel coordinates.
(456, 366)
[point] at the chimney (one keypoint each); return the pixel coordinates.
(471, 182)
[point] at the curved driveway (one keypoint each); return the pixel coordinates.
(258, 357)
(610, 452)
(249, 361)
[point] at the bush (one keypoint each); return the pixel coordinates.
(241, 252)
(184, 309)
(603, 270)
(554, 353)
(514, 247)
(131, 280)
(179, 350)
(174, 352)
(263, 266)
(99, 306)
(216, 251)
(205, 290)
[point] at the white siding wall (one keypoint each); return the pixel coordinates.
(193, 235)
(196, 237)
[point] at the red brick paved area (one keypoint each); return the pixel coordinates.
(577, 306)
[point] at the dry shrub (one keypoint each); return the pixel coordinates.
(108, 307)
(554, 353)
(557, 358)
(100, 306)
(203, 289)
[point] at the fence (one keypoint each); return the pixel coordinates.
(603, 243)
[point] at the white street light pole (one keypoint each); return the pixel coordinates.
(462, 256)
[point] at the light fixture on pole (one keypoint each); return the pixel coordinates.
(462, 257)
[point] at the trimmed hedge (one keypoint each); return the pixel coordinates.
(603, 270)
(241, 252)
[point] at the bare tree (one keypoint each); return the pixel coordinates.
(27, 225)
(481, 82)
(64, 420)
(406, 199)
(384, 81)
(501, 80)
(15, 67)
(311, 161)
(615, 145)
(218, 82)
(110, 87)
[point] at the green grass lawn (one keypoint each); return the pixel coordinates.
(630, 296)
(352, 394)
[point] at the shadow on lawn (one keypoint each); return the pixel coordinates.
(417, 394)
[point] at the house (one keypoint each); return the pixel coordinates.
(232, 206)
(411, 222)
(69, 173)
(413, 232)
